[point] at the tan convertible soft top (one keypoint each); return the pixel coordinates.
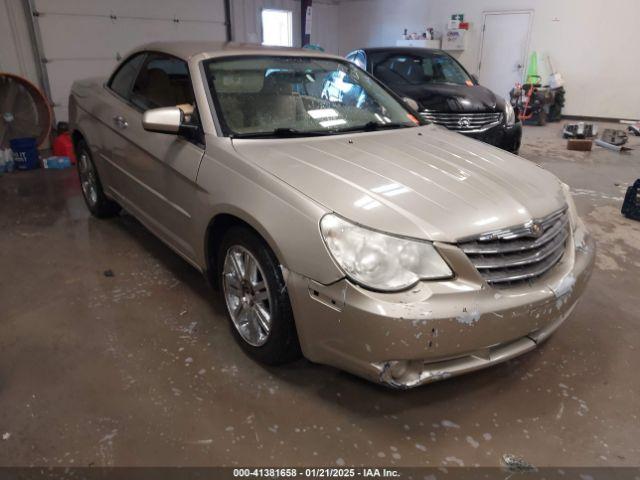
(187, 50)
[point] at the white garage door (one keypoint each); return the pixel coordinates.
(85, 38)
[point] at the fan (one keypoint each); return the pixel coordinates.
(24, 110)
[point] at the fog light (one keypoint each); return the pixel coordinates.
(397, 368)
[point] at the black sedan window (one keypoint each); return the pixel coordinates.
(419, 68)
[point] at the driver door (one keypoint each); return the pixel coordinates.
(158, 171)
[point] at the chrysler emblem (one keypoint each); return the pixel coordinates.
(536, 229)
(464, 122)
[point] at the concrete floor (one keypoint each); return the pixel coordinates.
(140, 368)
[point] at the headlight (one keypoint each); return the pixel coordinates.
(573, 213)
(509, 113)
(411, 102)
(379, 261)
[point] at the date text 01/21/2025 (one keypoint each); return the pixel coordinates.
(315, 472)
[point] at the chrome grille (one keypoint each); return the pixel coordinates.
(514, 255)
(463, 122)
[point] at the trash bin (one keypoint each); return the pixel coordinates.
(631, 204)
(25, 153)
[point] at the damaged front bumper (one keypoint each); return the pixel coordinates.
(501, 136)
(407, 374)
(436, 329)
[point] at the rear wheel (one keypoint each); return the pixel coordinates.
(99, 205)
(256, 298)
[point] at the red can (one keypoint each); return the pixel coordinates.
(63, 147)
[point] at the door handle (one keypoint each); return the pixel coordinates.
(120, 122)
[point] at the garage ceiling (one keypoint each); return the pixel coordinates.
(82, 38)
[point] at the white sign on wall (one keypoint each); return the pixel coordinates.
(454, 39)
(307, 21)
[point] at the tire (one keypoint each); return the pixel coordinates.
(542, 118)
(248, 297)
(97, 202)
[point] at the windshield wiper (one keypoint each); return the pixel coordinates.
(281, 133)
(292, 132)
(372, 126)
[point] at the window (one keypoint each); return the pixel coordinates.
(163, 81)
(419, 68)
(277, 28)
(359, 58)
(266, 96)
(121, 81)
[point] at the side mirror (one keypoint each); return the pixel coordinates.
(169, 120)
(163, 120)
(411, 103)
(475, 79)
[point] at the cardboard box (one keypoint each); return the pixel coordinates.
(580, 145)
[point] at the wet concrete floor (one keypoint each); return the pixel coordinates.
(139, 368)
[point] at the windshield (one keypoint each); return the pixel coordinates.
(299, 96)
(417, 68)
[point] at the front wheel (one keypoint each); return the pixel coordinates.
(256, 298)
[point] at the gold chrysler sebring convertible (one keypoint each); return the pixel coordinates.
(335, 223)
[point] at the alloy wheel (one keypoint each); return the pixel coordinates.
(247, 296)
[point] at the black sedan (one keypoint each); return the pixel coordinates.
(443, 92)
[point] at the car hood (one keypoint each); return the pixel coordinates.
(452, 98)
(423, 182)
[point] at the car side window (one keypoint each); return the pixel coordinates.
(341, 88)
(163, 81)
(360, 60)
(121, 81)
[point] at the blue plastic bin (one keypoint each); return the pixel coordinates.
(25, 153)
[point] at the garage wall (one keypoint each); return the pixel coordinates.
(587, 39)
(16, 53)
(593, 51)
(376, 23)
(324, 26)
(84, 38)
